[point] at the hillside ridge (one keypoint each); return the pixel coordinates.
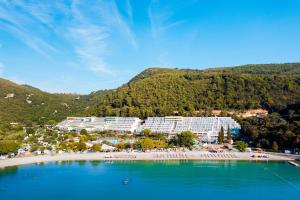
(162, 91)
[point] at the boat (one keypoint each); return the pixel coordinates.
(125, 181)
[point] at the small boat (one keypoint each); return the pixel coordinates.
(125, 181)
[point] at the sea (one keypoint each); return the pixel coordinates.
(122, 180)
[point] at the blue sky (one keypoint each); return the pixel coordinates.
(83, 46)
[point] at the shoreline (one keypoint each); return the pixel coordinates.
(140, 156)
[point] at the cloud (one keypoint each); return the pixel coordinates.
(19, 25)
(90, 37)
(88, 40)
(89, 29)
(90, 46)
(129, 10)
(160, 19)
(111, 17)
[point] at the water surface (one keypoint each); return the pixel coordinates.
(151, 180)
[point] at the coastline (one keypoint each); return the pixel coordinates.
(140, 156)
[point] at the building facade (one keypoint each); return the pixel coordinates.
(120, 124)
(207, 128)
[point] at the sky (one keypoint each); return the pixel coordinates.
(78, 46)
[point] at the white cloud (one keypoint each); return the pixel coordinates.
(111, 17)
(18, 23)
(88, 28)
(88, 40)
(129, 10)
(89, 44)
(160, 19)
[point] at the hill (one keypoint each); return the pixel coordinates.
(162, 91)
(25, 104)
(158, 92)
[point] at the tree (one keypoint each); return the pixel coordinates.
(83, 132)
(34, 147)
(229, 137)
(96, 147)
(147, 143)
(241, 145)
(30, 131)
(9, 146)
(121, 145)
(221, 136)
(158, 136)
(81, 146)
(159, 144)
(185, 139)
(147, 132)
(51, 122)
(275, 146)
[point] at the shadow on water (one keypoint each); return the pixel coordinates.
(66, 162)
(95, 163)
(9, 171)
(81, 162)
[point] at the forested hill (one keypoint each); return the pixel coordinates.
(159, 92)
(22, 103)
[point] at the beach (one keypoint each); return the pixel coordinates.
(142, 156)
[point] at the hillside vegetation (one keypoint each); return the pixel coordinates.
(162, 91)
(25, 104)
(159, 92)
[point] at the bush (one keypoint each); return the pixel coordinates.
(240, 145)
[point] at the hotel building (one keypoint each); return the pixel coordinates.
(207, 128)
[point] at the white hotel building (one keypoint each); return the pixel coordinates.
(206, 127)
(121, 124)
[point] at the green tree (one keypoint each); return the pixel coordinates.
(229, 137)
(159, 144)
(147, 143)
(158, 136)
(96, 147)
(34, 147)
(121, 145)
(81, 146)
(185, 139)
(221, 136)
(30, 131)
(241, 145)
(9, 146)
(147, 132)
(83, 132)
(51, 122)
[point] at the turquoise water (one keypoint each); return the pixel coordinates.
(151, 180)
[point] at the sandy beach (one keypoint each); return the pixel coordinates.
(139, 156)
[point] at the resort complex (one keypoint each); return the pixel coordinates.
(120, 124)
(206, 127)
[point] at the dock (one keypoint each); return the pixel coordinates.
(294, 163)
